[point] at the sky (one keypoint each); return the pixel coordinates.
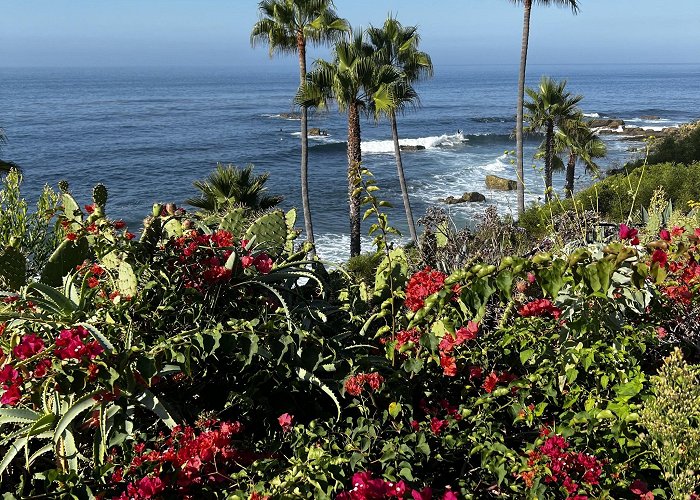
(88, 33)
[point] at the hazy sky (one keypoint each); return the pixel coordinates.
(216, 32)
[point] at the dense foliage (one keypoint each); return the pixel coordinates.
(208, 359)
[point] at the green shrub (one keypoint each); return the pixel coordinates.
(614, 197)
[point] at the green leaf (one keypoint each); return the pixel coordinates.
(310, 377)
(17, 415)
(11, 453)
(82, 405)
(149, 400)
(43, 424)
(394, 409)
(526, 355)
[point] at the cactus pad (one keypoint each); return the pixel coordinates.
(99, 195)
(13, 269)
(65, 259)
(269, 231)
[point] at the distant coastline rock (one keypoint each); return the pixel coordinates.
(500, 184)
(315, 131)
(290, 116)
(611, 123)
(406, 147)
(650, 117)
(468, 197)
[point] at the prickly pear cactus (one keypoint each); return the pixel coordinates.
(65, 259)
(71, 210)
(99, 195)
(63, 186)
(127, 284)
(234, 221)
(13, 269)
(269, 232)
(172, 229)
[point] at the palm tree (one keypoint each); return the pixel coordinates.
(350, 80)
(579, 142)
(285, 26)
(550, 106)
(397, 45)
(228, 187)
(527, 8)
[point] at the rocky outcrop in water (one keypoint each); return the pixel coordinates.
(468, 197)
(500, 184)
(406, 147)
(315, 131)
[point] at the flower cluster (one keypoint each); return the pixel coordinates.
(493, 379)
(440, 416)
(367, 487)
(181, 465)
(570, 470)
(539, 307)
(71, 344)
(448, 343)
(355, 384)
(641, 489)
(421, 285)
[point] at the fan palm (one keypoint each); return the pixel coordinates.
(286, 26)
(397, 46)
(230, 186)
(527, 9)
(550, 106)
(350, 80)
(576, 139)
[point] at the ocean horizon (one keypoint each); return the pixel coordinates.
(147, 133)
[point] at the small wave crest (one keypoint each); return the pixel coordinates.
(432, 142)
(591, 115)
(498, 165)
(494, 119)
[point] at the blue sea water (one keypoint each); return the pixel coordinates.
(147, 133)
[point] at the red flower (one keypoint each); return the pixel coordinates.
(437, 425)
(628, 233)
(89, 208)
(539, 307)
(661, 332)
(375, 380)
(660, 257)
(263, 263)
(475, 372)
(71, 236)
(285, 420)
(449, 365)
(119, 224)
(490, 383)
(28, 346)
(450, 495)
(665, 235)
(42, 368)
(11, 396)
(93, 282)
(677, 231)
(424, 494)
(92, 229)
(247, 261)
(129, 236)
(9, 375)
(415, 425)
(421, 285)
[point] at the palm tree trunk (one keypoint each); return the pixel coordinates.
(354, 162)
(548, 160)
(402, 179)
(570, 169)
(521, 102)
(306, 205)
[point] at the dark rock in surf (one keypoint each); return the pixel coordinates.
(468, 197)
(500, 184)
(406, 147)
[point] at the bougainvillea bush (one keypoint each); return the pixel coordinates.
(208, 359)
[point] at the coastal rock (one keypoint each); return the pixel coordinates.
(650, 117)
(406, 147)
(637, 133)
(290, 116)
(612, 123)
(315, 131)
(500, 184)
(468, 197)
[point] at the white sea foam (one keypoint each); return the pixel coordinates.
(498, 165)
(333, 247)
(591, 115)
(432, 142)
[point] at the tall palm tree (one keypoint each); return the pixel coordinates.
(576, 139)
(397, 45)
(230, 186)
(527, 8)
(550, 106)
(286, 26)
(350, 80)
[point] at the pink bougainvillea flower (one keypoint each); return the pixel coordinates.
(11, 396)
(475, 372)
(247, 261)
(119, 224)
(437, 425)
(629, 233)
(449, 365)
(129, 236)
(285, 420)
(263, 263)
(421, 285)
(539, 307)
(665, 235)
(450, 495)
(490, 383)
(28, 346)
(71, 236)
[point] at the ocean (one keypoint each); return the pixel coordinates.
(147, 133)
